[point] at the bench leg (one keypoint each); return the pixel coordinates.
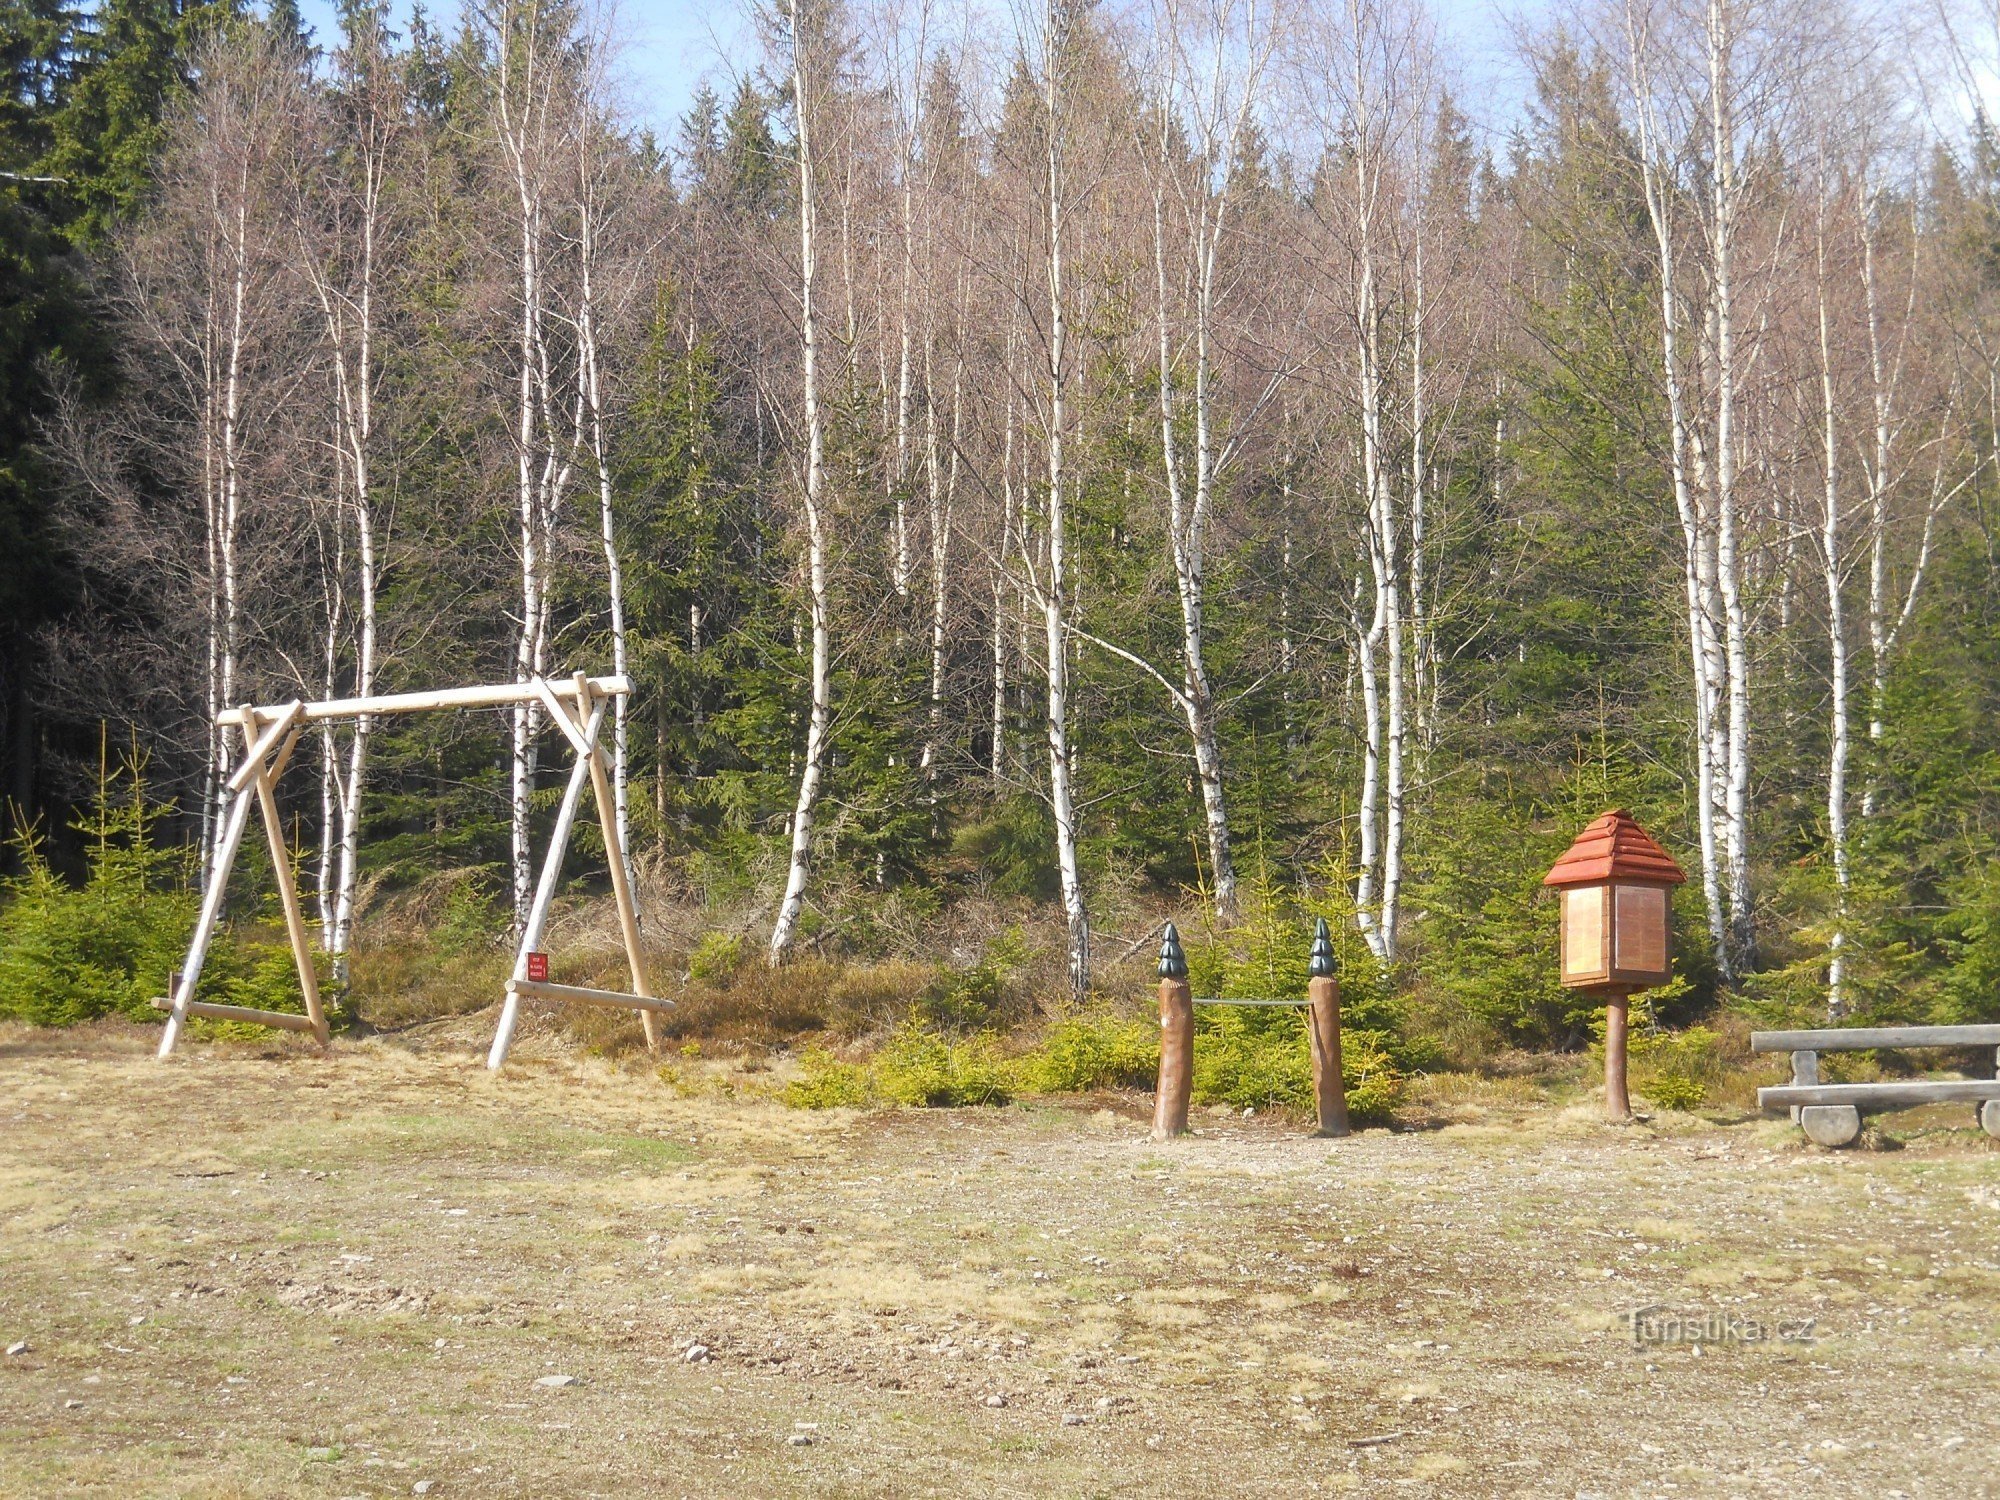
(1989, 1118)
(1805, 1070)
(1831, 1125)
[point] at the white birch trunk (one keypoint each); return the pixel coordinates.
(1062, 800)
(1836, 634)
(590, 373)
(998, 760)
(785, 926)
(1682, 459)
(1728, 566)
(1186, 528)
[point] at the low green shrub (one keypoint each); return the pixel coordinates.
(967, 999)
(469, 922)
(1097, 1050)
(828, 1083)
(1675, 1069)
(917, 1067)
(1259, 1059)
(107, 947)
(1676, 1091)
(716, 956)
(920, 1067)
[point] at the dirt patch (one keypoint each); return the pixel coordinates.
(256, 1271)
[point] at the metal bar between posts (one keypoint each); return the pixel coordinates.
(1216, 1000)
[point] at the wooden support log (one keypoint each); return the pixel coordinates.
(1170, 1105)
(1830, 1125)
(539, 989)
(278, 723)
(204, 927)
(545, 892)
(493, 695)
(1617, 1099)
(621, 875)
(1989, 1118)
(281, 872)
(284, 1020)
(1867, 1038)
(1805, 1075)
(1882, 1095)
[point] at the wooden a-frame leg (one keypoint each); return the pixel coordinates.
(545, 890)
(211, 912)
(621, 881)
(259, 737)
(288, 892)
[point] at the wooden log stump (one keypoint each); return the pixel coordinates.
(1830, 1125)
(1989, 1118)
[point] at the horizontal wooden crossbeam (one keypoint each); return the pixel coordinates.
(283, 1019)
(1886, 1095)
(536, 989)
(1866, 1038)
(489, 695)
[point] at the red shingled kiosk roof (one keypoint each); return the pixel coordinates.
(1615, 847)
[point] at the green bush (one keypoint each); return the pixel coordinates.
(107, 947)
(1676, 1091)
(920, 1067)
(916, 1066)
(965, 999)
(829, 1083)
(716, 956)
(468, 922)
(1674, 1069)
(1260, 1059)
(1097, 1050)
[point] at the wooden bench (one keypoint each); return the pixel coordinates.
(1830, 1113)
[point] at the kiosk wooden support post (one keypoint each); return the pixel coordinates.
(1617, 1099)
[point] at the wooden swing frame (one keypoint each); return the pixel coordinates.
(270, 734)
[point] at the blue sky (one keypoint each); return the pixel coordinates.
(668, 47)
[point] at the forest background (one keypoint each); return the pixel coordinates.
(1044, 470)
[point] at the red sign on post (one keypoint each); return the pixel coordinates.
(538, 968)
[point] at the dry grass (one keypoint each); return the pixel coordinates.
(259, 1272)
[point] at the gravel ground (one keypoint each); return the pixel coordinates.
(255, 1271)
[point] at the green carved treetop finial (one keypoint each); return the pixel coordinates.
(1320, 965)
(1173, 962)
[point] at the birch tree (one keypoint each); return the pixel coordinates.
(531, 43)
(1210, 58)
(205, 287)
(348, 234)
(805, 38)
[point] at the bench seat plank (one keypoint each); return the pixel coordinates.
(1895, 1095)
(1865, 1038)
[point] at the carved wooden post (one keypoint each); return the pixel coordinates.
(1170, 1109)
(1323, 1032)
(1617, 1101)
